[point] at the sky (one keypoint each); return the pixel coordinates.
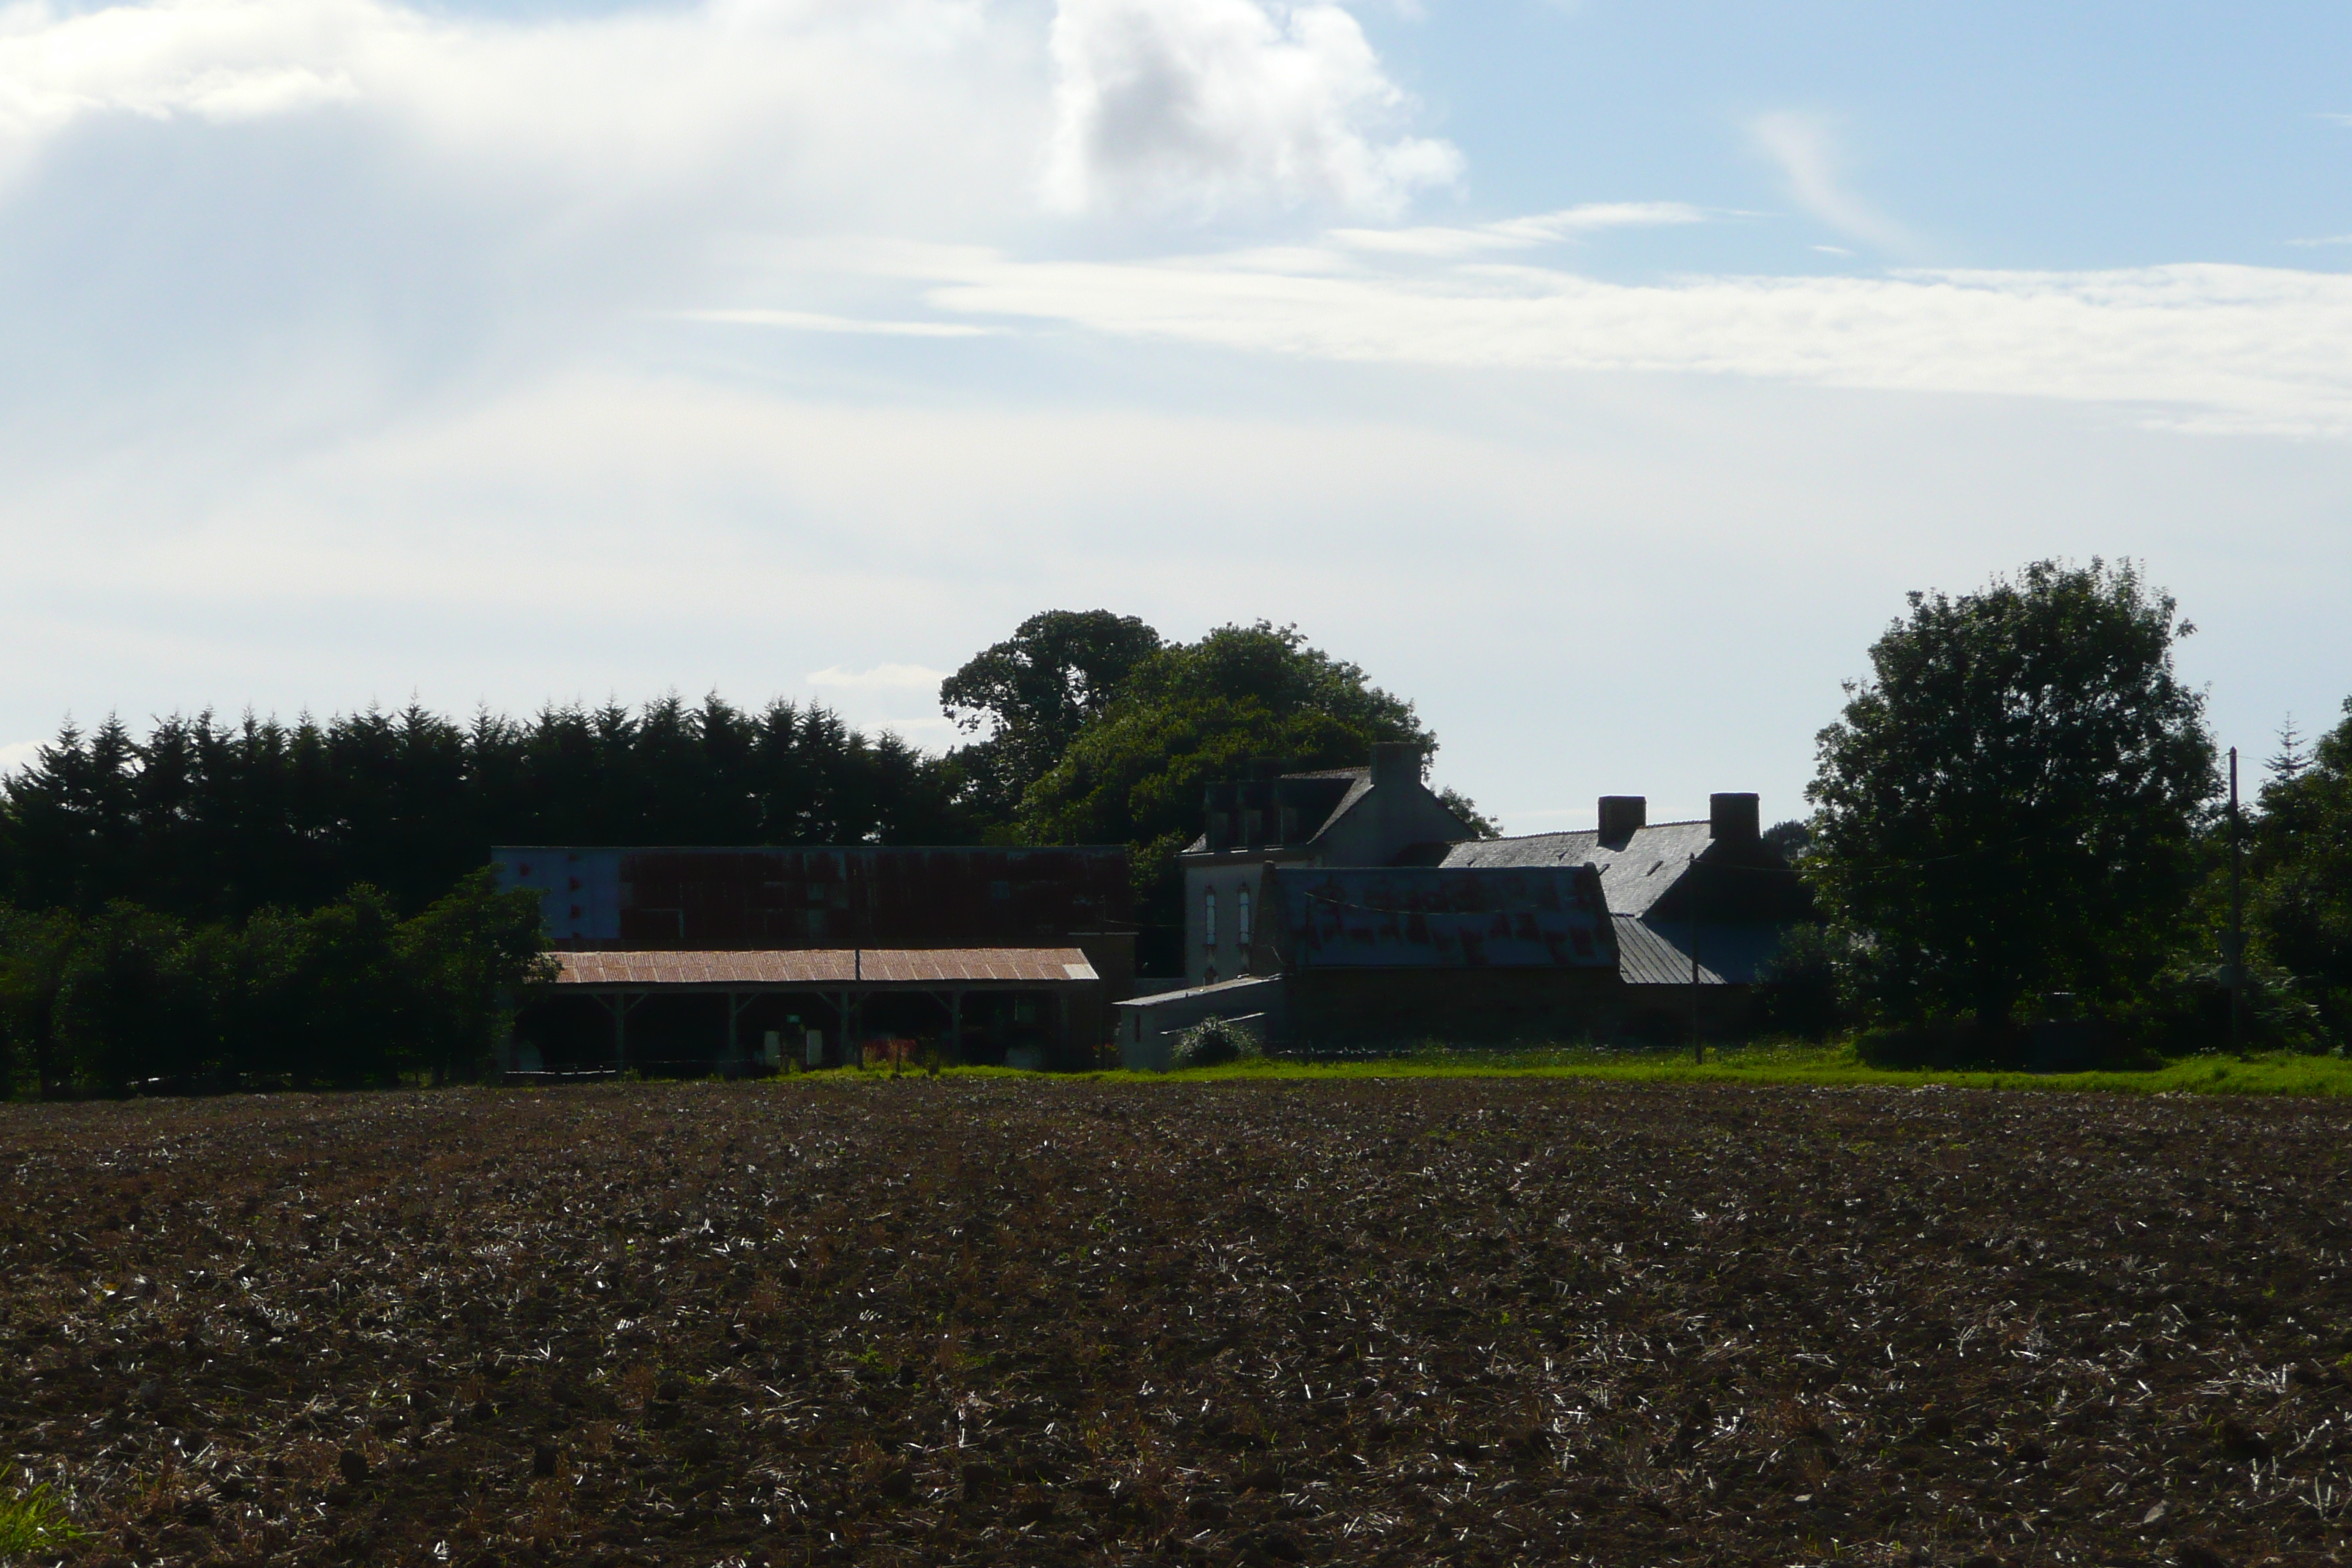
(1598, 376)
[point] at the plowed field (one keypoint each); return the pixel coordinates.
(967, 1322)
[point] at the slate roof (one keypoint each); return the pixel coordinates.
(1359, 780)
(1659, 954)
(1429, 917)
(1635, 873)
(827, 966)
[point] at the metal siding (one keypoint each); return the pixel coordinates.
(820, 897)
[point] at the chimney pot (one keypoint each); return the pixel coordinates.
(1621, 813)
(1733, 818)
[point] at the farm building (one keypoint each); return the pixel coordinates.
(692, 959)
(1384, 918)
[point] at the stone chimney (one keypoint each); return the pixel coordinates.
(1733, 818)
(1395, 762)
(1621, 815)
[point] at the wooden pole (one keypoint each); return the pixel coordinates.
(1698, 1041)
(2237, 917)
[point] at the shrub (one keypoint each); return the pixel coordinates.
(1963, 1045)
(1212, 1042)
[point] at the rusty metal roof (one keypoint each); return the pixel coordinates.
(827, 966)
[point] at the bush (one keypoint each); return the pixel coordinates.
(1804, 986)
(2186, 1011)
(1961, 1045)
(1212, 1042)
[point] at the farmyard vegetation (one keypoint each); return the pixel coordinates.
(967, 1321)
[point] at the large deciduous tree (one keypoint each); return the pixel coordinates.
(1196, 713)
(2009, 807)
(1032, 694)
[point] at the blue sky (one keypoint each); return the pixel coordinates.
(1598, 376)
(2004, 134)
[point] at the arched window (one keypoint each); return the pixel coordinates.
(1242, 916)
(1209, 917)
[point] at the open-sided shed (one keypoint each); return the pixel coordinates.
(747, 993)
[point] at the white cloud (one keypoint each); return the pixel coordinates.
(2324, 239)
(1518, 233)
(886, 676)
(1805, 147)
(1203, 105)
(786, 105)
(817, 322)
(2206, 346)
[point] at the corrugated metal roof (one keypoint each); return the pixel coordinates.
(1633, 875)
(1424, 917)
(1659, 954)
(827, 966)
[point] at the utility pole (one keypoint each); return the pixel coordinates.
(2237, 950)
(1698, 1041)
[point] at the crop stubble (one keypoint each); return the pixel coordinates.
(989, 1321)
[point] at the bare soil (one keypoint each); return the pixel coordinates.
(970, 1322)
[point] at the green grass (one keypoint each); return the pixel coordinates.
(1768, 1063)
(33, 1524)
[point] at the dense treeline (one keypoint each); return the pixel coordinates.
(308, 903)
(346, 994)
(211, 822)
(264, 900)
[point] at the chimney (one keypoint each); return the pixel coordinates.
(1621, 815)
(1395, 762)
(1732, 818)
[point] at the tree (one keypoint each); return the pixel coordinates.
(2010, 807)
(1194, 713)
(360, 1013)
(2300, 896)
(1033, 693)
(2287, 764)
(472, 959)
(130, 1008)
(36, 955)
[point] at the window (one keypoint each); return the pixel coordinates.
(1254, 825)
(1241, 916)
(1209, 917)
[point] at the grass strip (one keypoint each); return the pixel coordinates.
(2277, 1073)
